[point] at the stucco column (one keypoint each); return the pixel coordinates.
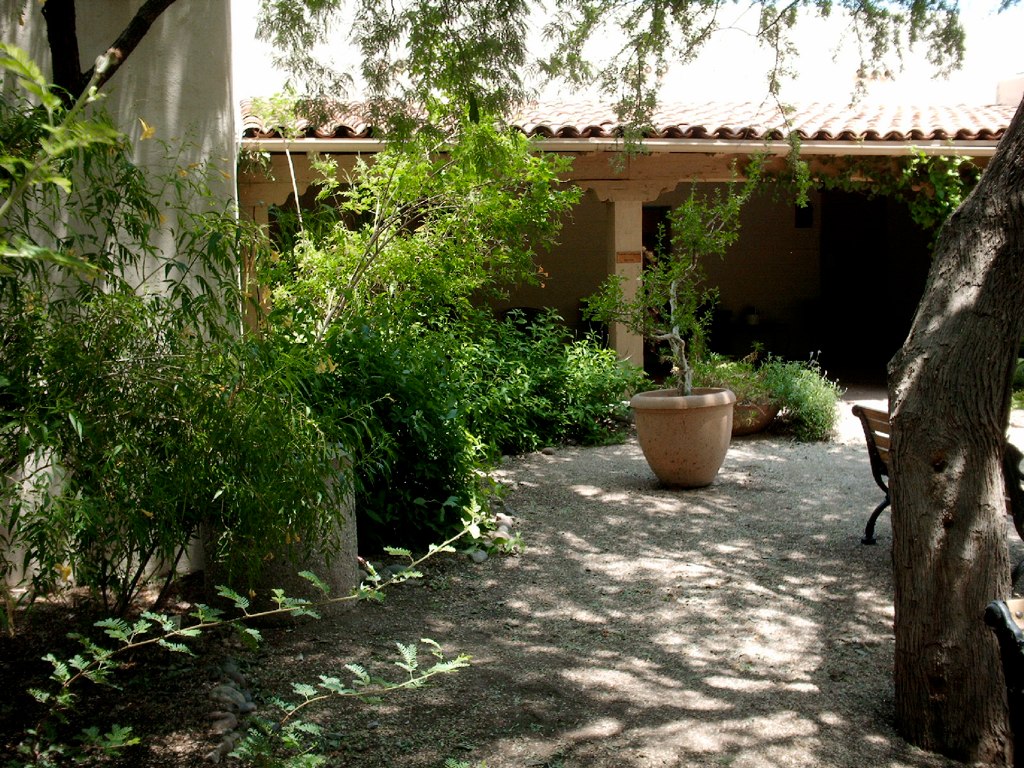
(624, 243)
(625, 260)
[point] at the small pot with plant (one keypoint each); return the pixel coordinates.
(757, 402)
(795, 395)
(684, 431)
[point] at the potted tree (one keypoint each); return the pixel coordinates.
(683, 431)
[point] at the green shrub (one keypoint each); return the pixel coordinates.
(146, 436)
(275, 465)
(596, 393)
(129, 407)
(383, 279)
(528, 384)
(809, 400)
(416, 464)
(744, 377)
(436, 406)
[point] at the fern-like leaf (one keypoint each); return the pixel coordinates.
(175, 647)
(304, 690)
(443, 667)
(409, 661)
(165, 622)
(369, 593)
(250, 636)
(39, 695)
(115, 628)
(206, 614)
(316, 581)
(405, 575)
(335, 686)
(362, 677)
(242, 603)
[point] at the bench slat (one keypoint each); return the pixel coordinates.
(878, 420)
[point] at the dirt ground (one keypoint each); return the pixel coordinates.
(741, 625)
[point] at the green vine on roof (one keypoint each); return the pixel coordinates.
(931, 186)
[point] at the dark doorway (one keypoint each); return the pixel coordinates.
(655, 236)
(874, 262)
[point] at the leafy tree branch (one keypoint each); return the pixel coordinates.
(62, 35)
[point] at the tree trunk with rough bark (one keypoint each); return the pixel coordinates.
(950, 390)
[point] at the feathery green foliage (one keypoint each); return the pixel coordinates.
(472, 54)
(131, 411)
(281, 740)
(382, 283)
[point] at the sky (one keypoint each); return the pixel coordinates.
(732, 67)
(993, 53)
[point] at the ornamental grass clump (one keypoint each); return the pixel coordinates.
(745, 377)
(809, 399)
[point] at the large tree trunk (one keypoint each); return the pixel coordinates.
(950, 398)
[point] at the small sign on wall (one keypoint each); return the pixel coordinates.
(628, 257)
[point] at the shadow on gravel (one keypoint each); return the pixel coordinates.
(731, 624)
(742, 624)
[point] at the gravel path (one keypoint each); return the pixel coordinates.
(742, 625)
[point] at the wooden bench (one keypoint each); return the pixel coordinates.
(876, 434)
(1006, 619)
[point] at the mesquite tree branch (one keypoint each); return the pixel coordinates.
(62, 36)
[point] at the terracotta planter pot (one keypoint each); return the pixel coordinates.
(684, 437)
(750, 418)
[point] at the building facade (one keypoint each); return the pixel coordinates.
(798, 280)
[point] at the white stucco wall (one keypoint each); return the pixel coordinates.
(178, 79)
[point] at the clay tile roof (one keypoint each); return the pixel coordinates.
(725, 121)
(345, 123)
